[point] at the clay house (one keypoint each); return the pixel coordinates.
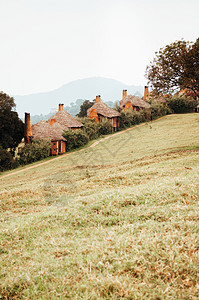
(133, 102)
(52, 129)
(100, 111)
(44, 131)
(65, 119)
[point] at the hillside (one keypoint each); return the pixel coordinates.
(115, 221)
(43, 103)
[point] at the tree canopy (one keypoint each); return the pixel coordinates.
(176, 66)
(11, 127)
(83, 108)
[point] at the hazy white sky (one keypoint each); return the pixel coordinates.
(47, 43)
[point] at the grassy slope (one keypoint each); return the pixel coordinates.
(119, 220)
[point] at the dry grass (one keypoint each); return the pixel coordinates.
(118, 221)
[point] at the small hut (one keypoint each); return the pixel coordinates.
(133, 102)
(100, 111)
(44, 131)
(65, 119)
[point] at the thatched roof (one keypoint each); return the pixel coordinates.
(103, 109)
(43, 130)
(136, 101)
(66, 120)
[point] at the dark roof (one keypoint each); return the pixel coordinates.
(136, 101)
(104, 110)
(43, 130)
(66, 120)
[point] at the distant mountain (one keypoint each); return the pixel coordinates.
(43, 103)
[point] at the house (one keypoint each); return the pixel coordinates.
(52, 129)
(44, 131)
(133, 102)
(100, 111)
(65, 119)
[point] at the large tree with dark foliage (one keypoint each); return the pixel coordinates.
(176, 66)
(11, 127)
(83, 108)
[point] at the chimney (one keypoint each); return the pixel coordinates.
(124, 94)
(146, 92)
(61, 107)
(27, 128)
(98, 99)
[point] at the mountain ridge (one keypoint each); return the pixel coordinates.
(87, 88)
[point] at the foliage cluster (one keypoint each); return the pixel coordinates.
(36, 150)
(11, 127)
(176, 66)
(84, 107)
(131, 117)
(91, 131)
(6, 160)
(75, 139)
(159, 109)
(181, 104)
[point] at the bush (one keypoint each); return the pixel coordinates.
(182, 104)
(159, 109)
(90, 128)
(104, 127)
(94, 130)
(37, 150)
(75, 139)
(131, 117)
(6, 160)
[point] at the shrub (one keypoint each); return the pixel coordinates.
(37, 150)
(182, 104)
(159, 109)
(90, 128)
(6, 160)
(131, 117)
(93, 130)
(105, 127)
(75, 139)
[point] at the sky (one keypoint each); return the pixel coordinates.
(48, 43)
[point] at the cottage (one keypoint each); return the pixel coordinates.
(134, 102)
(100, 111)
(52, 129)
(65, 119)
(44, 131)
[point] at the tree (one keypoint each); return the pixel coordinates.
(11, 127)
(84, 107)
(176, 66)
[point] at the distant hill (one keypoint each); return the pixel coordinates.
(43, 103)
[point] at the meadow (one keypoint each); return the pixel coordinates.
(116, 221)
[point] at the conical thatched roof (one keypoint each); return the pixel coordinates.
(136, 101)
(43, 130)
(66, 120)
(103, 109)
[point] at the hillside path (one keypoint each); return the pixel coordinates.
(91, 146)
